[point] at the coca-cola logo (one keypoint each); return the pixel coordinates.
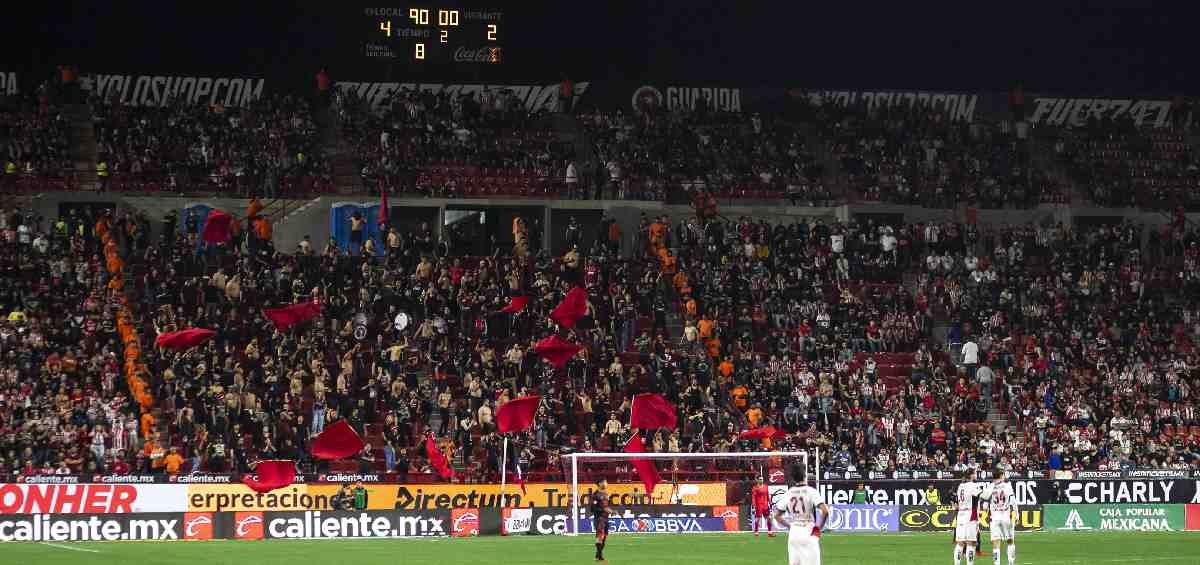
(479, 55)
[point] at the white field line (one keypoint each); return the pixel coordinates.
(69, 547)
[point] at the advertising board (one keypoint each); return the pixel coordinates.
(1115, 517)
(941, 518)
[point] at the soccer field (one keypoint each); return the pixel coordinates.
(1034, 549)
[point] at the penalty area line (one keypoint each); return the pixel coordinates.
(69, 548)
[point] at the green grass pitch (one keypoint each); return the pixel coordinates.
(660, 549)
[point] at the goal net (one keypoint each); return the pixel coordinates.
(684, 478)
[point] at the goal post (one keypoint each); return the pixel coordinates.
(577, 461)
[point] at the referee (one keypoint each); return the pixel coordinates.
(599, 506)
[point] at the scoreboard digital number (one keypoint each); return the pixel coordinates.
(435, 34)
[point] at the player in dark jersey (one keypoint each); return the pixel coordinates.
(598, 504)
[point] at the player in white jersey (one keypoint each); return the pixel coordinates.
(966, 519)
(1002, 503)
(804, 514)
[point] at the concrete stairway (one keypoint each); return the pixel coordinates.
(998, 419)
(85, 151)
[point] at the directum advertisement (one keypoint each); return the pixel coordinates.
(1115, 517)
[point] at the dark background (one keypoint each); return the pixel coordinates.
(1083, 47)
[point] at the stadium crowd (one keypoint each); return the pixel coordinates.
(34, 143)
(920, 156)
(464, 144)
(267, 148)
(809, 326)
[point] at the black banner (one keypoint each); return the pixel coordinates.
(1028, 491)
(377, 524)
(552, 521)
(941, 518)
(105, 527)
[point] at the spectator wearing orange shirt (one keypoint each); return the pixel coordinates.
(148, 422)
(754, 415)
(726, 368)
(740, 393)
(172, 462)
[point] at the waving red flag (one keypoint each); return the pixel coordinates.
(517, 415)
(652, 411)
(556, 350)
(217, 228)
(382, 217)
(765, 432)
(515, 304)
(337, 441)
(645, 467)
(270, 475)
(288, 316)
(183, 339)
(571, 309)
(437, 460)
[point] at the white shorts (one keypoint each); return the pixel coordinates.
(966, 531)
(803, 548)
(1003, 530)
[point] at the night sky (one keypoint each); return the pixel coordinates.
(1094, 48)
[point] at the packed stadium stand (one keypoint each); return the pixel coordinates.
(891, 344)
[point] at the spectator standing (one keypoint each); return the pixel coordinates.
(970, 356)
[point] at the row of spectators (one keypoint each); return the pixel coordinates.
(35, 143)
(462, 144)
(1092, 333)
(921, 156)
(655, 155)
(267, 147)
(743, 323)
(1121, 164)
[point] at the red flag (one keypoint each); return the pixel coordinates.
(382, 218)
(270, 475)
(515, 304)
(183, 339)
(645, 467)
(651, 411)
(217, 227)
(437, 460)
(571, 309)
(338, 440)
(517, 415)
(556, 350)
(288, 316)
(764, 432)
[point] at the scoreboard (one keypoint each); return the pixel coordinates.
(437, 35)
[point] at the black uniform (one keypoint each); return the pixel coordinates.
(599, 507)
(598, 503)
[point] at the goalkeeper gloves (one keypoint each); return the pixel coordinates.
(816, 532)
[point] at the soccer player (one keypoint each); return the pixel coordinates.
(798, 510)
(966, 520)
(599, 507)
(762, 507)
(1002, 502)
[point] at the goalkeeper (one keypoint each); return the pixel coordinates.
(598, 504)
